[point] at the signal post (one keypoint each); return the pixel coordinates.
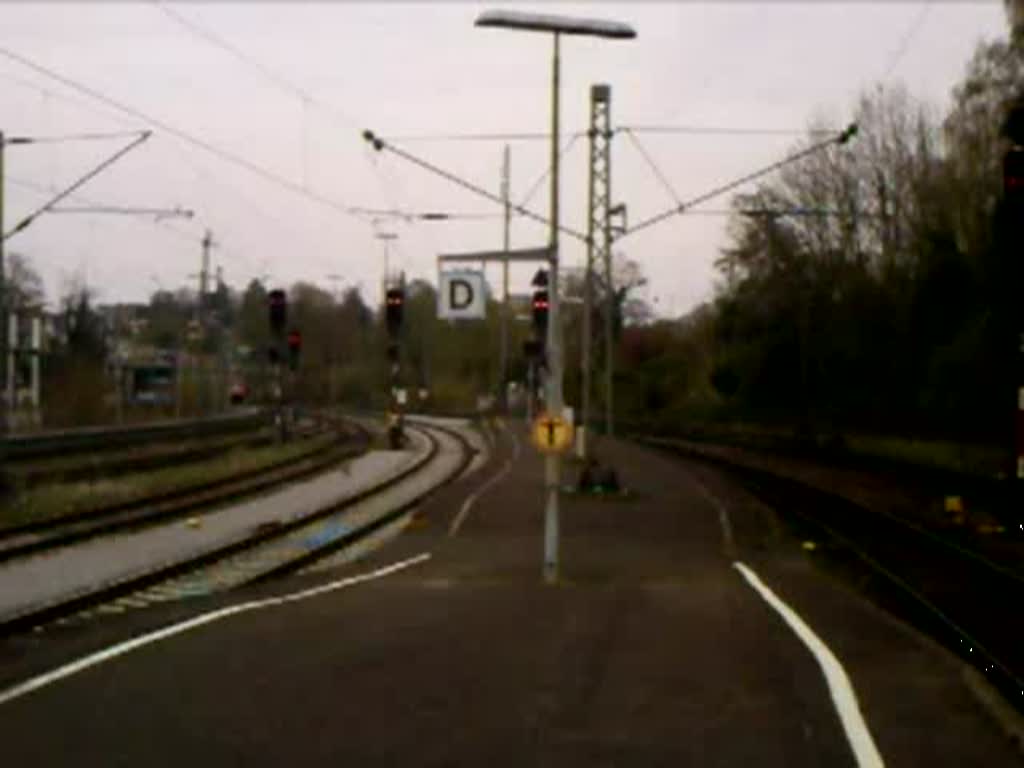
(277, 308)
(394, 310)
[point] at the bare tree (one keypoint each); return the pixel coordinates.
(24, 285)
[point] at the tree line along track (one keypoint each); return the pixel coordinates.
(955, 594)
(44, 535)
(264, 536)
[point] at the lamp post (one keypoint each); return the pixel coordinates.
(557, 26)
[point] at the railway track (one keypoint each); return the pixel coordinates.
(95, 440)
(100, 453)
(90, 467)
(955, 594)
(45, 535)
(271, 551)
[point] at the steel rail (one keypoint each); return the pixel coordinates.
(932, 597)
(358, 534)
(169, 505)
(96, 439)
(38, 616)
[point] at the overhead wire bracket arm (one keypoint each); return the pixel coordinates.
(653, 165)
(380, 144)
(82, 180)
(841, 138)
(157, 213)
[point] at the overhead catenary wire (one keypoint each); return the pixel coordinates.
(118, 108)
(307, 99)
(541, 136)
(81, 104)
(409, 216)
(75, 185)
(438, 137)
(281, 82)
(108, 136)
(720, 130)
(722, 189)
(88, 204)
(908, 36)
(208, 179)
(125, 210)
(562, 154)
(653, 166)
(213, 149)
(161, 223)
(381, 144)
(114, 114)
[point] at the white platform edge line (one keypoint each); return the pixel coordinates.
(843, 697)
(120, 649)
(467, 505)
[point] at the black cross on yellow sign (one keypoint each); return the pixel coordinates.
(551, 434)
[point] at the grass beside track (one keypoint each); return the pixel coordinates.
(178, 451)
(54, 501)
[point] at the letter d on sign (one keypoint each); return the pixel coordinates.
(460, 294)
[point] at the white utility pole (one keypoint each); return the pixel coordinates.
(506, 172)
(557, 25)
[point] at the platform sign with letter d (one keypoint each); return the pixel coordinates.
(461, 295)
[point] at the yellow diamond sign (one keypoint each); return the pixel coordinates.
(551, 434)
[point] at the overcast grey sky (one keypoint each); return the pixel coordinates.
(422, 69)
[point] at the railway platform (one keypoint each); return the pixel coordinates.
(687, 627)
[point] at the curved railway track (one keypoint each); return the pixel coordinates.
(272, 551)
(956, 594)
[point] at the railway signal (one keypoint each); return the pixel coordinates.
(394, 305)
(277, 304)
(533, 349)
(394, 311)
(540, 306)
(294, 349)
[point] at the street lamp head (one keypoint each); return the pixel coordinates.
(543, 22)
